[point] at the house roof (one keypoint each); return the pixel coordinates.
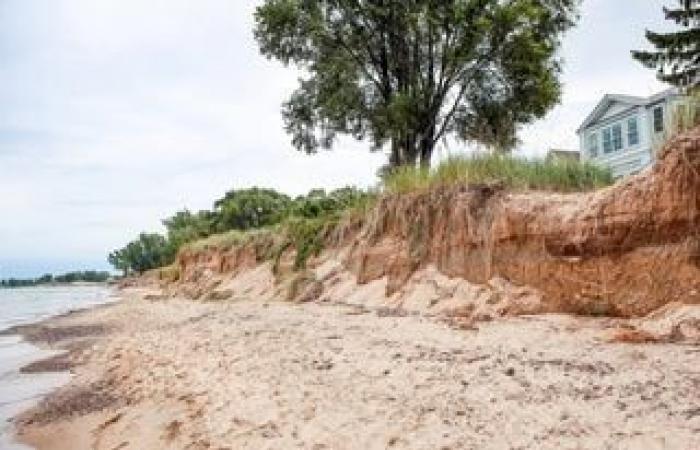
(630, 100)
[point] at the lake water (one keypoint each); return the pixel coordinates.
(25, 306)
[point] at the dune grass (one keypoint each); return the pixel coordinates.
(226, 240)
(514, 173)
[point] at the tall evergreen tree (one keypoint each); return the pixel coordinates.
(677, 54)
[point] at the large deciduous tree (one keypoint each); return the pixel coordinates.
(408, 73)
(677, 54)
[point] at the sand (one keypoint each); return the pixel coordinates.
(176, 374)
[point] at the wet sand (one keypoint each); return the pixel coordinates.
(27, 372)
(177, 374)
(20, 391)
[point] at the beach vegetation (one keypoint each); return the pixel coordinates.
(508, 171)
(302, 224)
(186, 226)
(247, 209)
(148, 251)
(243, 216)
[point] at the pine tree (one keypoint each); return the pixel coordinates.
(677, 54)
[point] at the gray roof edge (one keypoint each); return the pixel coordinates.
(629, 99)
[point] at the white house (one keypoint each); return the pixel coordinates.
(623, 132)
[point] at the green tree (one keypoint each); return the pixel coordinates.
(409, 73)
(118, 260)
(250, 208)
(149, 251)
(185, 227)
(318, 203)
(677, 54)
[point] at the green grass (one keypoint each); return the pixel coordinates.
(226, 240)
(514, 173)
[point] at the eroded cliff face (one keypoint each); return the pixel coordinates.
(622, 251)
(625, 250)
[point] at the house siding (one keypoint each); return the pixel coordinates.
(629, 159)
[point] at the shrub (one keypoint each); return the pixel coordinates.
(307, 236)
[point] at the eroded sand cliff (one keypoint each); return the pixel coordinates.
(480, 251)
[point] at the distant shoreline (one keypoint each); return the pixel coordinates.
(77, 276)
(54, 284)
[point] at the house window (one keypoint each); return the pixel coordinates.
(607, 140)
(593, 145)
(617, 136)
(632, 132)
(658, 119)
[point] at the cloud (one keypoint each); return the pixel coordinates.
(116, 113)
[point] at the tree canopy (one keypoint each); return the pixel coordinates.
(677, 54)
(149, 251)
(185, 226)
(408, 73)
(250, 208)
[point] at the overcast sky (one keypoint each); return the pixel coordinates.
(116, 113)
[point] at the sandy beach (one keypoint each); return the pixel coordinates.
(178, 374)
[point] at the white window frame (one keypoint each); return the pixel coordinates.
(617, 140)
(607, 140)
(593, 146)
(633, 131)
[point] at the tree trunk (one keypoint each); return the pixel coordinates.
(426, 154)
(427, 146)
(409, 150)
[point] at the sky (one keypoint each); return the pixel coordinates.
(116, 113)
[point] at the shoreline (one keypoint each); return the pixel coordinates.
(38, 363)
(177, 374)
